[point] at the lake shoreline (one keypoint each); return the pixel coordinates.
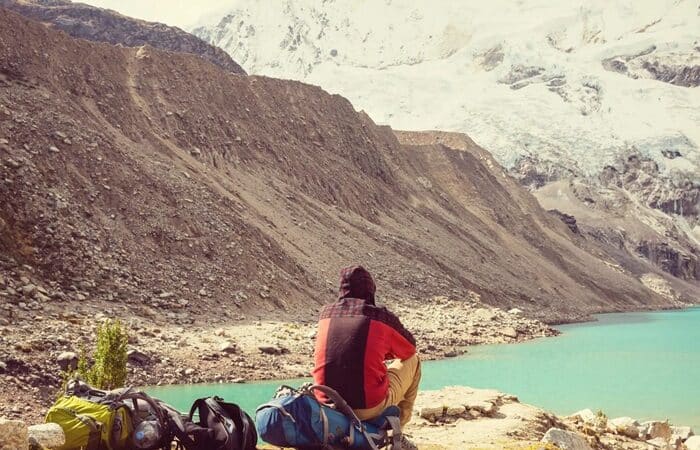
(248, 350)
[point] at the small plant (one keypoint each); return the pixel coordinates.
(601, 419)
(109, 369)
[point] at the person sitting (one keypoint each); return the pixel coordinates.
(355, 337)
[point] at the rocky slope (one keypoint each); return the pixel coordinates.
(156, 180)
(102, 25)
(556, 91)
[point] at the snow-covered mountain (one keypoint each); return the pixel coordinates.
(554, 90)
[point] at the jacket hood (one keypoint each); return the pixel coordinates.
(356, 282)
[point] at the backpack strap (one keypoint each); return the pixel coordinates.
(342, 406)
(324, 422)
(395, 424)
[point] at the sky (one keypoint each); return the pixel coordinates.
(180, 13)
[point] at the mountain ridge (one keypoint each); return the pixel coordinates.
(103, 25)
(571, 92)
(253, 190)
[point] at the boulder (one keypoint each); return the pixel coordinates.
(486, 408)
(28, 289)
(656, 429)
(515, 311)
(693, 443)
(228, 347)
(566, 440)
(625, 426)
(67, 361)
(431, 412)
(272, 350)
(681, 432)
(510, 332)
(586, 415)
(49, 435)
(455, 411)
(137, 357)
(13, 435)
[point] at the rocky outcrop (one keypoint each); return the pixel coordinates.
(628, 433)
(641, 177)
(681, 69)
(672, 260)
(461, 417)
(568, 219)
(103, 25)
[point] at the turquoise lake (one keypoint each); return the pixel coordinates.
(642, 365)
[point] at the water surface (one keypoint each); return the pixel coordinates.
(644, 365)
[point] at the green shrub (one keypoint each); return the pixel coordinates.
(109, 369)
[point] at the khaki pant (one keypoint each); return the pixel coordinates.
(404, 377)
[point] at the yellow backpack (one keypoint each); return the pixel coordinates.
(91, 426)
(110, 420)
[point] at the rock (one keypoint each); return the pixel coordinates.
(659, 443)
(202, 292)
(693, 443)
(49, 435)
(272, 350)
(625, 426)
(228, 347)
(3, 367)
(41, 297)
(656, 429)
(311, 334)
(137, 357)
(510, 332)
(484, 407)
(28, 289)
(586, 415)
(67, 361)
(195, 151)
(13, 435)
(54, 149)
(431, 412)
(681, 432)
(566, 440)
(515, 311)
(12, 164)
(189, 372)
(455, 411)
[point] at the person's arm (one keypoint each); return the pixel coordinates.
(402, 344)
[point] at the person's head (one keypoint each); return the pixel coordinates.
(356, 282)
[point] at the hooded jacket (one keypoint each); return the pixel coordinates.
(354, 339)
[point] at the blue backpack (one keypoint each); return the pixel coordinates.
(295, 418)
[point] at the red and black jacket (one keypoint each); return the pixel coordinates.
(354, 339)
